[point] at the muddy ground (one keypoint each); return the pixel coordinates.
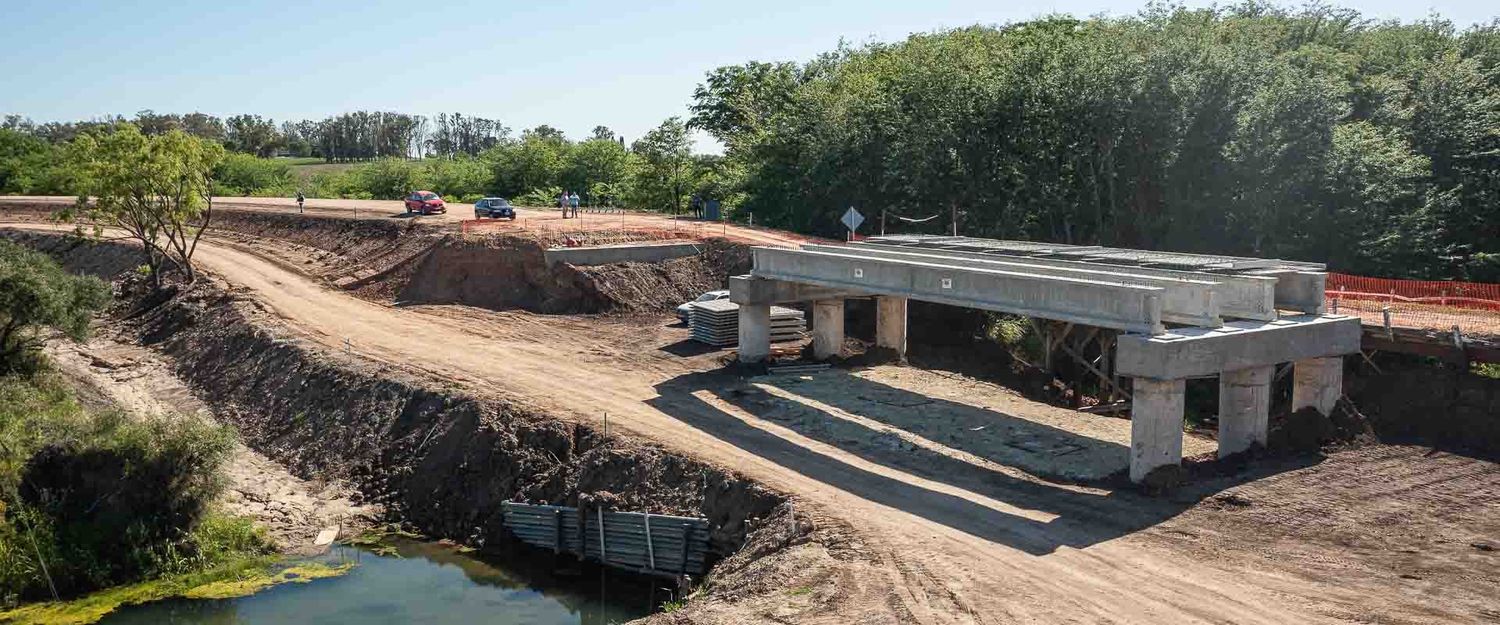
(879, 499)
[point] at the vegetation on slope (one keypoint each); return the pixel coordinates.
(90, 500)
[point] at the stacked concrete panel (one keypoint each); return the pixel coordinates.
(717, 323)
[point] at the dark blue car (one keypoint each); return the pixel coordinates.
(494, 208)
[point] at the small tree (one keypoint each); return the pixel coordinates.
(159, 190)
(35, 293)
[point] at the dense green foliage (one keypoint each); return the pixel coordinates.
(103, 499)
(1312, 134)
(36, 296)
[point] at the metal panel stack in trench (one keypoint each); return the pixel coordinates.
(646, 543)
(717, 323)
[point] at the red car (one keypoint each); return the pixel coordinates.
(425, 202)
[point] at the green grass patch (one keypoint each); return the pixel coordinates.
(237, 579)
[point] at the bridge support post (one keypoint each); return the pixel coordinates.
(890, 324)
(1155, 425)
(1317, 383)
(828, 328)
(755, 332)
(1244, 408)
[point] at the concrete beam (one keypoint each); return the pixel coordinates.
(828, 328)
(1244, 408)
(1089, 302)
(755, 332)
(1189, 352)
(1155, 425)
(1184, 300)
(751, 290)
(1298, 290)
(1240, 296)
(890, 324)
(1317, 383)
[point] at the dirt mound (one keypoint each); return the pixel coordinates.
(1308, 430)
(387, 260)
(509, 272)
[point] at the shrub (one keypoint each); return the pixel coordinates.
(243, 174)
(36, 293)
(106, 499)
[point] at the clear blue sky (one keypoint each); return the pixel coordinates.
(569, 63)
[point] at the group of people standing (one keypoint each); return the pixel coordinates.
(567, 201)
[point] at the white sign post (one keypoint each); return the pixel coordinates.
(852, 219)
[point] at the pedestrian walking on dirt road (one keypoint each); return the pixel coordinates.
(562, 203)
(573, 203)
(300, 199)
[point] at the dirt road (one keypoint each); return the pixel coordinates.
(526, 218)
(947, 539)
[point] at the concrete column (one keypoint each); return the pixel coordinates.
(1244, 408)
(755, 332)
(828, 328)
(1155, 425)
(890, 324)
(1317, 382)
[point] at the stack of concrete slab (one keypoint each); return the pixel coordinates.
(717, 323)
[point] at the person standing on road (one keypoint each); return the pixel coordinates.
(300, 199)
(562, 203)
(573, 202)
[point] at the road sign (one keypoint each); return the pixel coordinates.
(853, 219)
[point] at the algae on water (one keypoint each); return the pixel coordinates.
(223, 583)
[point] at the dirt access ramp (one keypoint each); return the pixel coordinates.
(933, 537)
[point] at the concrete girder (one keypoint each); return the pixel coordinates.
(1298, 290)
(1189, 352)
(1090, 302)
(1240, 296)
(1190, 301)
(752, 290)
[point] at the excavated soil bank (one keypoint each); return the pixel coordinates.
(388, 261)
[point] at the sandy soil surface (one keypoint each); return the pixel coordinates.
(293, 511)
(961, 525)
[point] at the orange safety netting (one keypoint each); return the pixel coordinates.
(1472, 307)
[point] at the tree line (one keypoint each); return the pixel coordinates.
(347, 137)
(1313, 134)
(468, 158)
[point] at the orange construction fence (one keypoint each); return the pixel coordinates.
(1472, 307)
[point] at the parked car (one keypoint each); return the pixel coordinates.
(682, 311)
(494, 208)
(425, 202)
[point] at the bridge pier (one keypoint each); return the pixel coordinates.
(1317, 383)
(1155, 425)
(828, 328)
(1244, 408)
(890, 324)
(754, 332)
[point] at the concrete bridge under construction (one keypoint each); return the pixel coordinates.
(1171, 316)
